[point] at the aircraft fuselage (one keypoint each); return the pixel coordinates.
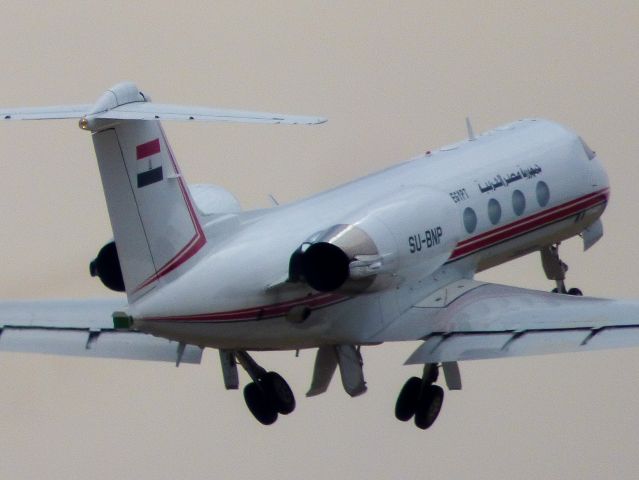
(437, 218)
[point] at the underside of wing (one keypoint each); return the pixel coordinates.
(471, 320)
(82, 328)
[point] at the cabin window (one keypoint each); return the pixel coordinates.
(470, 220)
(519, 202)
(543, 194)
(494, 211)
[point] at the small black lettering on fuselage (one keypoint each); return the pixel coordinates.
(459, 195)
(426, 239)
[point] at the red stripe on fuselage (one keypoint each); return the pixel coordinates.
(262, 312)
(525, 225)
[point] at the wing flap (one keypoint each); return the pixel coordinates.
(478, 346)
(614, 338)
(440, 348)
(100, 344)
(38, 340)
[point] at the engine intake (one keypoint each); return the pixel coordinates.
(413, 230)
(326, 261)
(325, 266)
(106, 266)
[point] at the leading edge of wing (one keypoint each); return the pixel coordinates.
(495, 321)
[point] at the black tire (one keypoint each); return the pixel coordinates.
(259, 404)
(278, 392)
(576, 292)
(429, 406)
(407, 399)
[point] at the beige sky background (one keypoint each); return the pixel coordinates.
(395, 79)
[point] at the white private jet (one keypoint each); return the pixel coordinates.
(388, 257)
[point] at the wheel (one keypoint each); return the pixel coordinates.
(407, 400)
(429, 406)
(575, 291)
(278, 392)
(259, 404)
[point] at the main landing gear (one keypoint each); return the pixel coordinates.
(268, 395)
(556, 270)
(420, 398)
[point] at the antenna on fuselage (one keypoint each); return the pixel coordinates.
(469, 127)
(273, 200)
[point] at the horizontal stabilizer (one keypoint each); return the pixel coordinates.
(159, 111)
(44, 113)
(155, 111)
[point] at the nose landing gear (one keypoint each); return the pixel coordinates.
(556, 270)
(420, 399)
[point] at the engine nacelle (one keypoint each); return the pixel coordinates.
(413, 231)
(213, 199)
(106, 266)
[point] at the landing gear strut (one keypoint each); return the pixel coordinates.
(268, 395)
(420, 399)
(556, 270)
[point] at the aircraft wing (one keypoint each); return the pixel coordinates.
(81, 328)
(470, 320)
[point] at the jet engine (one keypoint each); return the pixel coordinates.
(106, 266)
(414, 230)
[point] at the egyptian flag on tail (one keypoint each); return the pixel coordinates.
(149, 166)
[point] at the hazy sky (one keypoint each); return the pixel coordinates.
(394, 79)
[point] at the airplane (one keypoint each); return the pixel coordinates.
(388, 257)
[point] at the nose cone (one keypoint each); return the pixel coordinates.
(598, 175)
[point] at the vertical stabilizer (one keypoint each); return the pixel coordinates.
(156, 229)
(155, 226)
